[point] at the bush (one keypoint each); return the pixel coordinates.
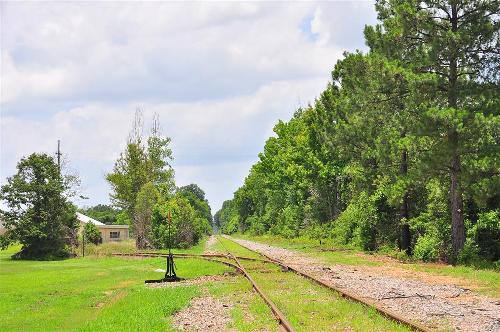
(432, 228)
(486, 235)
(92, 234)
(469, 255)
(316, 232)
(55, 254)
(186, 228)
(427, 248)
(232, 225)
(288, 222)
(257, 226)
(483, 241)
(356, 225)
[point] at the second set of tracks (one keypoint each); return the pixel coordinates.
(235, 262)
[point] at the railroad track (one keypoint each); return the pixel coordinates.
(212, 258)
(345, 294)
(228, 258)
(280, 317)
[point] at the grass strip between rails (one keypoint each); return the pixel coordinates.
(308, 306)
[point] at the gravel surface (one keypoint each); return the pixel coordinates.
(439, 306)
(209, 245)
(193, 281)
(203, 314)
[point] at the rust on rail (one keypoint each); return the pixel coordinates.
(280, 317)
(383, 311)
(277, 313)
(209, 258)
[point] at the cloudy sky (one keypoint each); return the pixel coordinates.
(219, 75)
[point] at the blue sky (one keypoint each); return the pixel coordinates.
(219, 74)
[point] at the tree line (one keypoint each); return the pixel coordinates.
(41, 217)
(401, 150)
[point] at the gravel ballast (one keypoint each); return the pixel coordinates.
(439, 306)
(203, 314)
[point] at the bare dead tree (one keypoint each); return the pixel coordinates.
(135, 135)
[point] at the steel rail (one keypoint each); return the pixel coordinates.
(210, 255)
(280, 317)
(175, 255)
(345, 294)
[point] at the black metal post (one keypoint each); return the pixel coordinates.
(170, 275)
(83, 243)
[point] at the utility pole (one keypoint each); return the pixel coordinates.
(58, 153)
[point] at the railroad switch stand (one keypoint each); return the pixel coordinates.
(170, 275)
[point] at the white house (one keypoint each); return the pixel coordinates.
(2, 228)
(108, 232)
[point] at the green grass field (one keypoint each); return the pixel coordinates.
(104, 293)
(108, 294)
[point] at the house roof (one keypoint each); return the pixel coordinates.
(113, 226)
(86, 219)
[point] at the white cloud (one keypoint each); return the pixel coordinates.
(205, 135)
(219, 75)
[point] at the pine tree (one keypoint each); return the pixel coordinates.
(454, 48)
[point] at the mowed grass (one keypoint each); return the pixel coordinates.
(106, 249)
(484, 281)
(308, 306)
(105, 294)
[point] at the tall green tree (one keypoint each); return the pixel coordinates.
(377, 121)
(401, 148)
(196, 197)
(104, 213)
(453, 45)
(147, 198)
(39, 216)
(138, 165)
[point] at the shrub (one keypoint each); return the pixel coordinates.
(186, 228)
(288, 222)
(469, 255)
(431, 228)
(486, 234)
(92, 234)
(257, 226)
(232, 225)
(316, 232)
(356, 225)
(427, 248)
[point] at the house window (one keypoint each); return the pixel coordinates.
(114, 235)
